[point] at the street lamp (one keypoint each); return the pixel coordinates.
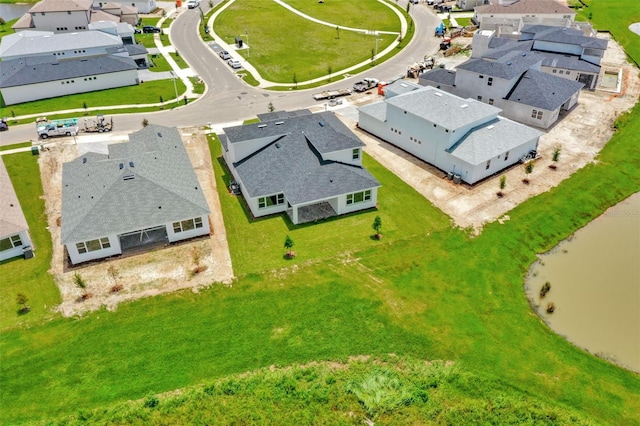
(175, 89)
(375, 56)
(246, 31)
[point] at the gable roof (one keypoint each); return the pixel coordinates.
(562, 35)
(491, 139)
(442, 108)
(507, 66)
(438, 75)
(25, 21)
(12, 219)
(61, 6)
(148, 181)
(21, 72)
(25, 43)
(292, 164)
(526, 7)
(542, 90)
(100, 15)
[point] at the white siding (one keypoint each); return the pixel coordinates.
(522, 114)
(343, 207)
(240, 150)
(344, 156)
(52, 89)
(76, 257)
(196, 232)
(51, 21)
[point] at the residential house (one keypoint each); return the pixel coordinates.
(71, 16)
(513, 82)
(29, 79)
(143, 6)
(14, 231)
(470, 4)
(509, 16)
(142, 192)
(464, 137)
(307, 165)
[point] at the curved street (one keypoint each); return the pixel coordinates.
(229, 99)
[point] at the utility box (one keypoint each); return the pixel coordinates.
(35, 150)
(27, 252)
(239, 42)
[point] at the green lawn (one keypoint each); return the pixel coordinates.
(29, 276)
(15, 146)
(6, 28)
(145, 93)
(305, 49)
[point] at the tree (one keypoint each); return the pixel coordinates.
(555, 156)
(22, 300)
(295, 79)
(528, 169)
(329, 71)
(377, 226)
(271, 107)
(84, 105)
(338, 31)
(161, 100)
(145, 122)
(81, 284)
(288, 245)
(503, 184)
(408, 7)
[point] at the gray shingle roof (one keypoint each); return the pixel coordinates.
(563, 35)
(437, 76)
(498, 47)
(574, 63)
(61, 5)
(376, 110)
(526, 7)
(25, 43)
(20, 72)
(281, 115)
(442, 108)
(507, 66)
(162, 187)
(12, 219)
(542, 90)
(292, 164)
(491, 139)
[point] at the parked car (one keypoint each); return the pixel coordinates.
(151, 29)
(3, 125)
(192, 4)
(234, 63)
(225, 55)
(137, 31)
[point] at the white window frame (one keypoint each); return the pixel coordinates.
(92, 245)
(187, 225)
(359, 197)
(271, 201)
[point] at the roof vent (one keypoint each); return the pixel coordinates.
(84, 160)
(438, 94)
(464, 106)
(277, 123)
(130, 163)
(128, 177)
(509, 63)
(321, 123)
(121, 166)
(261, 126)
(403, 85)
(159, 134)
(524, 54)
(277, 144)
(490, 127)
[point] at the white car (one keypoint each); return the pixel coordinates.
(234, 63)
(192, 4)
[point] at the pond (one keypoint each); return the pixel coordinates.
(595, 285)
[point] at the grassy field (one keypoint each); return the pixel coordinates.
(6, 28)
(145, 93)
(15, 146)
(426, 291)
(305, 50)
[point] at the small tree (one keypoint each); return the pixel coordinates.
(114, 275)
(84, 105)
(271, 107)
(377, 226)
(503, 184)
(338, 31)
(528, 169)
(22, 300)
(288, 245)
(295, 79)
(408, 7)
(161, 100)
(145, 122)
(555, 157)
(329, 71)
(81, 284)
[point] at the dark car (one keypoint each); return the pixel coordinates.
(151, 29)
(3, 125)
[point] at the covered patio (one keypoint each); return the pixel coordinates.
(311, 212)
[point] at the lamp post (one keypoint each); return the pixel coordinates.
(246, 31)
(375, 56)
(175, 89)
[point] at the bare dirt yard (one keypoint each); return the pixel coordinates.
(580, 134)
(193, 264)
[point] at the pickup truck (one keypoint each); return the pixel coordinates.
(365, 84)
(67, 127)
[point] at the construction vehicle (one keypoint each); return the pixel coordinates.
(365, 84)
(330, 94)
(67, 127)
(100, 124)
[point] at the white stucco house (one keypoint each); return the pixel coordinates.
(307, 165)
(513, 82)
(509, 16)
(470, 4)
(144, 192)
(29, 79)
(464, 137)
(14, 231)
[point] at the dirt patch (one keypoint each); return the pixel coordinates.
(580, 134)
(193, 264)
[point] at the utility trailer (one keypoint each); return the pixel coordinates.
(100, 124)
(330, 94)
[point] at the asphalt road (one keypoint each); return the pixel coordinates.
(229, 99)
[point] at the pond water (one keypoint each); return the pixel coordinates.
(595, 285)
(13, 11)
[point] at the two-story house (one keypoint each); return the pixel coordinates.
(509, 16)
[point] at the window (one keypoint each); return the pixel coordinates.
(568, 72)
(187, 225)
(359, 197)
(506, 156)
(555, 71)
(11, 242)
(481, 76)
(479, 97)
(561, 72)
(355, 154)
(488, 165)
(68, 12)
(93, 245)
(536, 114)
(490, 101)
(490, 81)
(270, 201)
